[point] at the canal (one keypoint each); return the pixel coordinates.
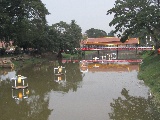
(100, 92)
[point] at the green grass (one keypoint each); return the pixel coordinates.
(76, 56)
(28, 61)
(150, 73)
(69, 56)
(89, 52)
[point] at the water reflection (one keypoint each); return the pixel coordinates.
(20, 94)
(60, 74)
(77, 94)
(20, 82)
(32, 108)
(83, 65)
(112, 67)
(7, 73)
(133, 108)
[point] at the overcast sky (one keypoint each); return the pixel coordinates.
(87, 13)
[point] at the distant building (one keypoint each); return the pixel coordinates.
(109, 41)
(8, 46)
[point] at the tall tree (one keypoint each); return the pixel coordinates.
(66, 36)
(23, 21)
(95, 33)
(133, 16)
(75, 35)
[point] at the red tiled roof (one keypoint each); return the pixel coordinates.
(109, 40)
(2, 43)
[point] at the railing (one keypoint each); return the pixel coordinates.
(117, 48)
(105, 61)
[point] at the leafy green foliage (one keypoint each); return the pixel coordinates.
(23, 21)
(133, 16)
(149, 72)
(111, 34)
(65, 36)
(95, 33)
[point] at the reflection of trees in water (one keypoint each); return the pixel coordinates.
(42, 80)
(40, 83)
(74, 77)
(133, 108)
(34, 108)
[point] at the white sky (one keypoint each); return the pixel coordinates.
(87, 13)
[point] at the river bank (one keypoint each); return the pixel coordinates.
(150, 74)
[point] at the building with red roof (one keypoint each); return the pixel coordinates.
(110, 41)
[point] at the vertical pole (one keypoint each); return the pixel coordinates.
(15, 82)
(23, 93)
(136, 48)
(98, 53)
(12, 93)
(117, 51)
(23, 82)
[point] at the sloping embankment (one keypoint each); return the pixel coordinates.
(150, 73)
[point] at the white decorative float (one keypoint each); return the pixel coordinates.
(60, 74)
(19, 89)
(20, 82)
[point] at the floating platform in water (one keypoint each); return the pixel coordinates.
(20, 82)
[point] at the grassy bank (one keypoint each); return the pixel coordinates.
(27, 60)
(76, 56)
(150, 73)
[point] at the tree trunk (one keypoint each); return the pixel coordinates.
(59, 55)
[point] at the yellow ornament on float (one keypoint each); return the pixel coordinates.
(20, 95)
(19, 79)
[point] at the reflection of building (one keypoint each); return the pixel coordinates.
(112, 67)
(83, 66)
(20, 94)
(19, 89)
(60, 74)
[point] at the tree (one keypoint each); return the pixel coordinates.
(23, 21)
(131, 107)
(75, 35)
(95, 33)
(111, 34)
(66, 36)
(134, 16)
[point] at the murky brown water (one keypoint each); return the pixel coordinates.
(107, 92)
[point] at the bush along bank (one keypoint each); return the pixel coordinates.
(150, 74)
